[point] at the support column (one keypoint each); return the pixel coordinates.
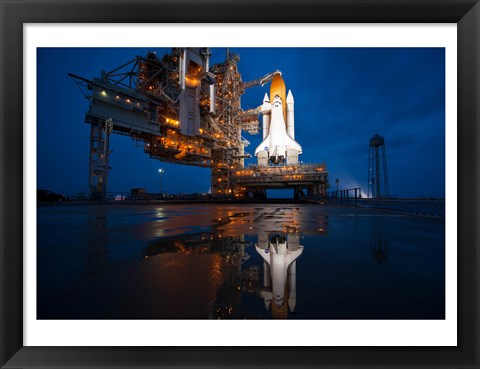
(98, 164)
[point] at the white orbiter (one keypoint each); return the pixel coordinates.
(278, 145)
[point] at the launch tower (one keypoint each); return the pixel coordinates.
(182, 109)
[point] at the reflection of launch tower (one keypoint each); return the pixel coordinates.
(380, 250)
(217, 264)
(377, 168)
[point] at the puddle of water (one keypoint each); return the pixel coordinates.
(238, 262)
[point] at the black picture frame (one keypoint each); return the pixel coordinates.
(466, 13)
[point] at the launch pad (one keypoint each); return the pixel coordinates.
(183, 110)
(255, 180)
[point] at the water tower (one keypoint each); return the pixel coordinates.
(377, 168)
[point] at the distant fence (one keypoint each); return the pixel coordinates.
(347, 197)
(129, 196)
(431, 208)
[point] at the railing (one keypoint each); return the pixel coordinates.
(347, 197)
(432, 208)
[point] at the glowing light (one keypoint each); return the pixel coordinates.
(172, 122)
(103, 93)
(192, 82)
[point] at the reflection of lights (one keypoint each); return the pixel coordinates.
(217, 267)
(160, 233)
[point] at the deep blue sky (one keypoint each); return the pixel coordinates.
(343, 96)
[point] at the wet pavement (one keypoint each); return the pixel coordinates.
(250, 261)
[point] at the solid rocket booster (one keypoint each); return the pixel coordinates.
(292, 286)
(278, 145)
(266, 117)
(290, 115)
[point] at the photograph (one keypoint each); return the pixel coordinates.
(236, 184)
(304, 183)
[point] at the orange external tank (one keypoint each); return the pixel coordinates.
(277, 87)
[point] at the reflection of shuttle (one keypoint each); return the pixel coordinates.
(278, 145)
(280, 253)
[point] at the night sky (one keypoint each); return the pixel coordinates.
(343, 96)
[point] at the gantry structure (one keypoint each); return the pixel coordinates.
(180, 109)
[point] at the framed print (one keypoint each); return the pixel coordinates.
(226, 262)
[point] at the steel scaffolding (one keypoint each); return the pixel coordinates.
(180, 108)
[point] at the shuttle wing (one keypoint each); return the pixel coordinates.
(267, 298)
(293, 255)
(264, 253)
(265, 144)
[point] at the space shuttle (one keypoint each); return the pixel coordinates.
(278, 145)
(279, 253)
